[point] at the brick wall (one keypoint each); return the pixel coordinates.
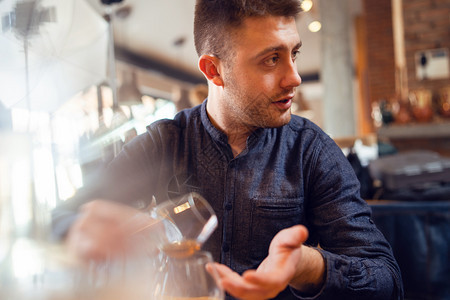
(427, 26)
(380, 49)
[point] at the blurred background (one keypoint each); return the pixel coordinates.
(80, 78)
(76, 74)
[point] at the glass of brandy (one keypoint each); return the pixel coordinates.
(186, 278)
(187, 222)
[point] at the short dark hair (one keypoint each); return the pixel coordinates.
(214, 19)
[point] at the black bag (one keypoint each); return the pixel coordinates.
(412, 176)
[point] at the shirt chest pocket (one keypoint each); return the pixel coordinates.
(268, 217)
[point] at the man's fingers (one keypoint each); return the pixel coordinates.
(222, 270)
(291, 237)
(101, 230)
(270, 281)
(231, 281)
(107, 210)
(93, 241)
(240, 287)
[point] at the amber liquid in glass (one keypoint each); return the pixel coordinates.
(181, 249)
(191, 298)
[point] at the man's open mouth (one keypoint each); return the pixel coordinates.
(283, 103)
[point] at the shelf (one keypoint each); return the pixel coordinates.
(414, 131)
(430, 136)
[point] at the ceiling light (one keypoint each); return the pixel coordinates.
(306, 5)
(314, 26)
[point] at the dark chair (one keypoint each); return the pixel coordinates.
(419, 233)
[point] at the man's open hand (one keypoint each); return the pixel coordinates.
(285, 264)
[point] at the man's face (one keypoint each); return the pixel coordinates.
(261, 76)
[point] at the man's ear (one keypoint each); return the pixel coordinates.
(209, 65)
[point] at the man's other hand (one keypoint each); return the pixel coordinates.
(105, 230)
(288, 263)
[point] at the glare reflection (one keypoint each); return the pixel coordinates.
(181, 208)
(314, 26)
(44, 177)
(26, 259)
(306, 5)
(20, 193)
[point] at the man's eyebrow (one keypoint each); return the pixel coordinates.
(275, 49)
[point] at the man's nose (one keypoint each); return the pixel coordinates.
(291, 77)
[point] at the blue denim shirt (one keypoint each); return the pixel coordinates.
(290, 175)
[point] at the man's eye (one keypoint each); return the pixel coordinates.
(295, 54)
(271, 61)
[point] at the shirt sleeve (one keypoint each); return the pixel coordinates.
(359, 261)
(129, 179)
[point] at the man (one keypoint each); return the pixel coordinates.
(291, 221)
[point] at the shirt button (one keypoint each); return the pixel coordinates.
(228, 206)
(225, 248)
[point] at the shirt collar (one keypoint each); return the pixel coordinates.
(215, 133)
(221, 137)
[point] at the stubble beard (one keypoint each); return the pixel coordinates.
(252, 112)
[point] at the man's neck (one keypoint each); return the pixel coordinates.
(237, 134)
(237, 142)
